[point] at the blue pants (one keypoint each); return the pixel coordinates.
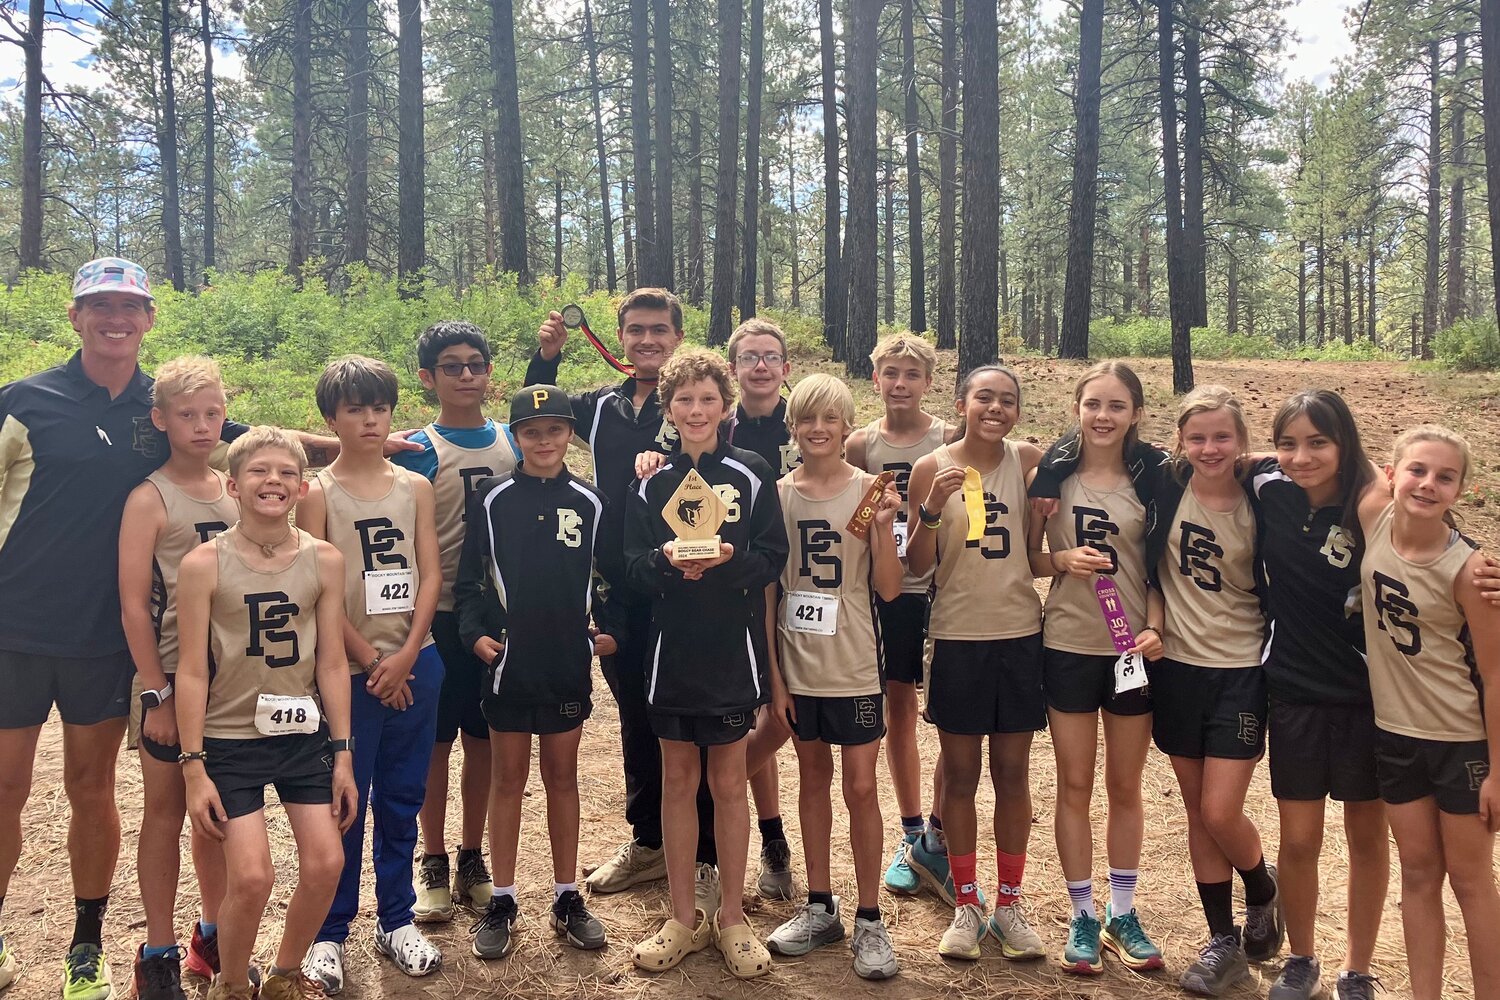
(391, 753)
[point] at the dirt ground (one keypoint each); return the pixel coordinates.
(1386, 398)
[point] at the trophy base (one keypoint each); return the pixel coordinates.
(696, 548)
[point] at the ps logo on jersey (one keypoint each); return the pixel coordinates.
(864, 713)
(1395, 614)
(568, 525)
(666, 438)
(791, 457)
(1093, 527)
(993, 509)
(570, 709)
(1478, 771)
(471, 478)
(377, 541)
(731, 497)
(270, 614)
(208, 529)
(734, 721)
(817, 539)
(1198, 551)
(146, 439)
(1339, 548)
(1249, 729)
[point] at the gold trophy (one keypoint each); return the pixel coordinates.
(695, 513)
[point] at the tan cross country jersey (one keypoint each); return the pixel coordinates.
(1422, 673)
(1208, 579)
(459, 470)
(882, 456)
(829, 564)
(1113, 522)
(375, 536)
(263, 633)
(983, 588)
(190, 523)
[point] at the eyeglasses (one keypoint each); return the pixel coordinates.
(772, 360)
(455, 369)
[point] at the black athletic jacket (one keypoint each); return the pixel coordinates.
(524, 577)
(1308, 566)
(767, 436)
(708, 639)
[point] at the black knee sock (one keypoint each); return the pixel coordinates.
(1259, 887)
(771, 829)
(1218, 906)
(88, 920)
(826, 898)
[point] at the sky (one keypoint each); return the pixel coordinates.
(1321, 38)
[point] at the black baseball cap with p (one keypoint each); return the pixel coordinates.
(540, 401)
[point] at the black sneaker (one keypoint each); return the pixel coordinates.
(775, 880)
(494, 931)
(159, 978)
(1300, 979)
(1265, 926)
(1358, 985)
(1219, 966)
(472, 886)
(572, 920)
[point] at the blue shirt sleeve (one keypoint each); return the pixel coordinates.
(423, 462)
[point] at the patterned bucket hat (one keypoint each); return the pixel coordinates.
(111, 274)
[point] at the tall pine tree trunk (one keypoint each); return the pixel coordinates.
(210, 125)
(888, 240)
(171, 202)
(791, 207)
(767, 266)
(491, 222)
(411, 168)
(647, 254)
(1434, 200)
(662, 18)
(31, 138)
(1179, 279)
(947, 276)
(695, 207)
(834, 300)
(1143, 272)
(1370, 280)
(601, 155)
(753, 87)
(301, 179)
(721, 305)
(1456, 220)
(1348, 305)
(1301, 291)
(916, 257)
(627, 221)
(509, 152)
(1082, 207)
(861, 54)
(1192, 176)
(979, 320)
(1489, 19)
(357, 127)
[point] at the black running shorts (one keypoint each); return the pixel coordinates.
(987, 686)
(1208, 711)
(1412, 769)
(463, 683)
(299, 765)
(1322, 751)
(843, 722)
(903, 634)
(86, 689)
(505, 716)
(704, 730)
(1085, 683)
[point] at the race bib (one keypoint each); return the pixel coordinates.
(390, 591)
(1130, 672)
(285, 715)
(809, 611)
(902, 529)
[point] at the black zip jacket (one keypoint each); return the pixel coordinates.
(525, 578)
(767, 436)
(707, 640)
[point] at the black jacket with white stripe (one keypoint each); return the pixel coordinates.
(525, 578)
(708, 639)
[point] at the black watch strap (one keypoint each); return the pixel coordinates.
(340, 745)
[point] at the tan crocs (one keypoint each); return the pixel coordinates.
(743, 953)
(670, 945)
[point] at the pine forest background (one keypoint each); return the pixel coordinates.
(1131, 177)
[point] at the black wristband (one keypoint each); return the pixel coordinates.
(927, 517)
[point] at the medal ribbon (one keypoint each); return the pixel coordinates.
(974, 503)
(1113, 609)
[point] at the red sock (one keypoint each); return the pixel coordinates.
(1012, 867)
(965, 882)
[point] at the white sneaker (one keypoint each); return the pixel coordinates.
(631, 864)
(812, 926)
(706, 890)
(961, 939)
(324, 965)
(412, 953)
(1019, 941)
(874, 957)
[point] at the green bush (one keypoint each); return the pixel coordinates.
(1469, 345)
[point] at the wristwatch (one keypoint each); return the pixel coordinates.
(153, 699)
(338, 746)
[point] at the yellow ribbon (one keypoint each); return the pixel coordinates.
(974, 503)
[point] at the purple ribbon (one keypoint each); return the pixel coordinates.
(1114, 613)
